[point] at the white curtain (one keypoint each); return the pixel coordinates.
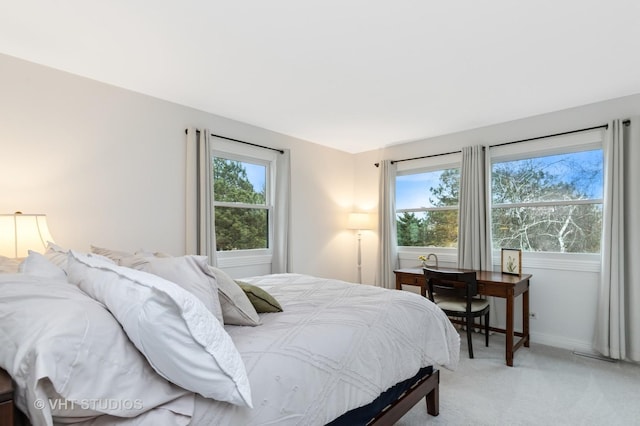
(474, 229)
(617, 333)
(388, 241)
(200, 228)
(280, 261)
(474, 217)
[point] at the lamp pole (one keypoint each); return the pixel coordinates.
(359, 222)
(359, 256)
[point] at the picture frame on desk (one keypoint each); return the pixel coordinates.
(511, 261)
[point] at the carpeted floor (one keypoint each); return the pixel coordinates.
(546, 386)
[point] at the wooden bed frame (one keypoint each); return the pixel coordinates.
(428, 387)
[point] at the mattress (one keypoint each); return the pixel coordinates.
(335, 347)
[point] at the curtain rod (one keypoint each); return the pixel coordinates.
(281, 151)
(418, 158)
(603, 126)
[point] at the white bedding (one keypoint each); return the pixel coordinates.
(335, 347)
(58, 344)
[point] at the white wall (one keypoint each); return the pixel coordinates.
(107, 166)
(563, 294)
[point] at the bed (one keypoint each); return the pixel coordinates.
(338, 353)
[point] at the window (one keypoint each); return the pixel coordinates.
(427, 206)
(548, 201)
(243, 200)
(240, 204)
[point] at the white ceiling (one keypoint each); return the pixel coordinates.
(351, 74)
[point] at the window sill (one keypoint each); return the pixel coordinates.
(578, 262)
(238, 261)
(408, 257)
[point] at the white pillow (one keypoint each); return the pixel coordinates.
(56, 255)
(180, 338)
(38, 265)
(146, 253)
(236, 306)
(58, 342)
(189, 272)
(116, 255)
(9, 265)
(119, 256)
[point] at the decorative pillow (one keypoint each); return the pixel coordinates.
(9, 265)
(38, 265)
(147, 253)
(260, 299)
(116, 255)
(189, 272)
(236, 306)
(57, 343)
(180, 338)
(56, 255)
(119, 256)
(59, 256)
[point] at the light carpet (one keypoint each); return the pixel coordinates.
(546, 386)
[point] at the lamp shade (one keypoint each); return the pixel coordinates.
(20, 233)
(359, 221)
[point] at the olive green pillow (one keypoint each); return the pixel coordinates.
(260, 299)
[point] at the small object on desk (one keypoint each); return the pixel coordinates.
(425, 260)
(511, 261)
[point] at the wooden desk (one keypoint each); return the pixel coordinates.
(490, 283)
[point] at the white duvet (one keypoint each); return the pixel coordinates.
(335, 347)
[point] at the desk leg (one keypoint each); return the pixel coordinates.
(398, 282)
(509, 331)
(525, 316)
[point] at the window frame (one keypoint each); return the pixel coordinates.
(426, 165)
(564, 144)
(249, 154)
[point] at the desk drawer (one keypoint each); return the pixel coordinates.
(403, 278)
(410, 279)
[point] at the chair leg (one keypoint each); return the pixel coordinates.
(469, 329)
(486, 329)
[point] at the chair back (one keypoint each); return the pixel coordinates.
(455, 291)
(451, 283)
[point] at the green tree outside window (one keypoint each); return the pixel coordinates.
(241, 211)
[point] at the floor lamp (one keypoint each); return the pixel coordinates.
(359, 222)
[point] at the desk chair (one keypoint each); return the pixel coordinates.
(453, 292)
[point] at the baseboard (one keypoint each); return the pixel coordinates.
(562, 342)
